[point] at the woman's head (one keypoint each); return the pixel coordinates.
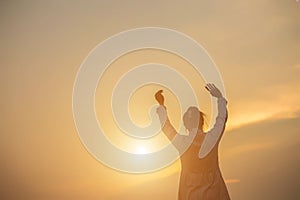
(193, 118)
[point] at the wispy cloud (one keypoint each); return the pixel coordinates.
(297, 66)
(279, 102)
(231, 181)
(250, 147)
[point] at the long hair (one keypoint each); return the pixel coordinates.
(193, 118)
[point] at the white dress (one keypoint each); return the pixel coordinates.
(201, 178)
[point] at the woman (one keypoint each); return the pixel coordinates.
(200, 177)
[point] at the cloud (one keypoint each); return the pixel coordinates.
(231, 181)
(297, 66)
(274, 102)
(245, 148)
(264, 156)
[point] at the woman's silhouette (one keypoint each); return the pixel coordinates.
(200, 177)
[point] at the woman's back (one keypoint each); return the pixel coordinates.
(191, 162)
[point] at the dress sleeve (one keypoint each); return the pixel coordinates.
(213, 136)
(180, 142)
(169, 130)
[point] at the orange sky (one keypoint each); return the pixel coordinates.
(255, 44)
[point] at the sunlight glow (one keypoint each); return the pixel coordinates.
(141, 150)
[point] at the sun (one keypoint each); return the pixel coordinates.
(140, 149)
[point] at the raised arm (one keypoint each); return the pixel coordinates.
(180, 142)
(214, 135)
(167, 127)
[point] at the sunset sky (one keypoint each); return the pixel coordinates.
(255, 44)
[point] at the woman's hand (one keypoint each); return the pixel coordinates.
(213, 90)
(159, 97)
(161, 110)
